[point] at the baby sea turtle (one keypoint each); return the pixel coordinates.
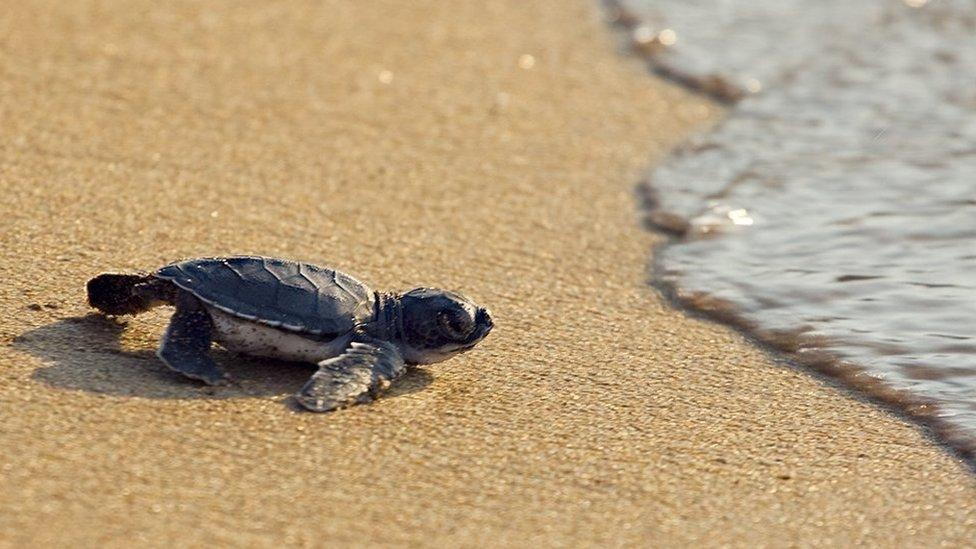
(361, 339)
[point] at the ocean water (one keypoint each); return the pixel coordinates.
(832, 214)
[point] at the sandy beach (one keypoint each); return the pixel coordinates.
(489, 147)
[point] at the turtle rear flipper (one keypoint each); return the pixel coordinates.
(115, 294)
(186, 343)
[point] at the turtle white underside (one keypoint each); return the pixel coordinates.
(253, 338)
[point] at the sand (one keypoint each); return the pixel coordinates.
(406, 145)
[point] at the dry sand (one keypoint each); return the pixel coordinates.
(407, 146)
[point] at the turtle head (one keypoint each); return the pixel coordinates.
(438, 324)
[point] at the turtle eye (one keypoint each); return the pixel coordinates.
(454, 325)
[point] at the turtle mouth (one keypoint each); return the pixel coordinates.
(467, 347)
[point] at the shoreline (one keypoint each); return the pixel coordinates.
(889, 400)
(594, 413)
(643, 40)
(905, 406)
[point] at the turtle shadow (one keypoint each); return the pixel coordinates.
(86, 353)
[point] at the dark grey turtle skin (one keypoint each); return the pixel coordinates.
(361, 339)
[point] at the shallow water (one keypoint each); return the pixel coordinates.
(833, 213)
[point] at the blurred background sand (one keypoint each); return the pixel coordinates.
(491, 147)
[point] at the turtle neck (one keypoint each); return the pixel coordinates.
(389, 318)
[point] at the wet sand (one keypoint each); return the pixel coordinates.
(406, 146)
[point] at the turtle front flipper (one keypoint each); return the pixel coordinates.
(186, 344)
(356, 376)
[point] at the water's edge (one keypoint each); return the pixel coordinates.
(784, 347)
(647, 46)
(901, 404)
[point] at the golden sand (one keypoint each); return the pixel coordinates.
(490, 147)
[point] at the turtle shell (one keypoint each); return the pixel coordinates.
(294, 296)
